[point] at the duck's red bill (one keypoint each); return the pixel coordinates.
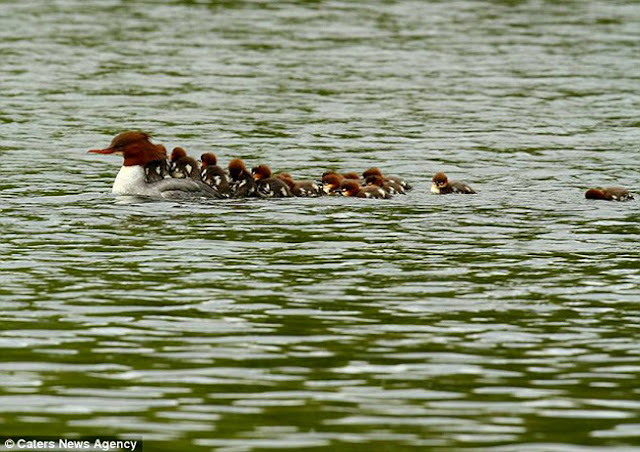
(101, 151)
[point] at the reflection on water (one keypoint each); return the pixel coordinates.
(501, 321)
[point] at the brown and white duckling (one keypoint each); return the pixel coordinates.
(183, 166)
(609, 194)
(268, 186)
(301, 188)
(375, 171)
(391, 187)
(242, 182)
(352, 188)
(331, 183)
(213, 175)
(158, 169)
(441, 185)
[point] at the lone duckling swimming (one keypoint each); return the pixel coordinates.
(442, 186)
(609, 194)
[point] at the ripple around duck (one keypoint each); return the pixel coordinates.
(500, 321)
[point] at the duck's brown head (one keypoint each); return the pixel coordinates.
(177, 154)
(375, 180)
(136, 148)
(208, 159)
(351, 175)
(349, 188)
(372, 172)
(440, 180)
(331, 183)
(236, 168)
(261, 172)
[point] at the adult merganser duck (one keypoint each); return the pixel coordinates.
(398, 180)
(214, 176)
(609, 194)
(352, 188)
(270, 187)
(183, 166)
(301, 188)
(138, 151)
(442, 186)
(242, 182)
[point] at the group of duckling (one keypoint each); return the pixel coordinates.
(236, 181)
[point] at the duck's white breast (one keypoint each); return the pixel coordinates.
(129, 181)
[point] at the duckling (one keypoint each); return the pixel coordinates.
(353, 189)
(242, 182)
(213, 175)
(442, 186)
(609, 194)
(302, 188)
(331, 183)
(391, 187)
(268, 186)
(375, 171)
(156, 170)
(182, 166)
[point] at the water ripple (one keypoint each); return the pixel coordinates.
(501, 321)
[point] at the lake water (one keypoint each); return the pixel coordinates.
(504, 321)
